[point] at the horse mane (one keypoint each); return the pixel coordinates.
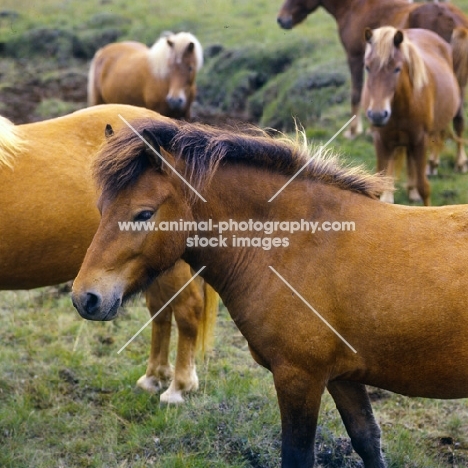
(125, 157)
(10, 142)
(161, 54)
(382, 44)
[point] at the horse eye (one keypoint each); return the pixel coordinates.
(144, 215)
(397, 70)
(367, 68)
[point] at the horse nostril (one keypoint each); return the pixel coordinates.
(91, 303)
(385, 114)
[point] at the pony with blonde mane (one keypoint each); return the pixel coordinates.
(48, 219)
(410, 96)
(354, 16)
(161, 78)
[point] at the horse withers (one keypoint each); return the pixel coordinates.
(49, 217)
(410, 96)
(397, 320)
(161, 78)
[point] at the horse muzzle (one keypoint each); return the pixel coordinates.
(378, 118)
(176, 103)
(92, 305)
(285, 22)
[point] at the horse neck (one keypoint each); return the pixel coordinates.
(241, 194)
(338, 8)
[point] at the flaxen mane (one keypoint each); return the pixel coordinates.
(382, 46)
(202, 148)
(11, 142)
(169, 48)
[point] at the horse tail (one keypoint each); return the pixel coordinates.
(208, 319)
(93, 93)
(11, 142)
(459, 44)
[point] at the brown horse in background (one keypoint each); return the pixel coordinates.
(354, 16)
(410, 96)
(161, 78)
(397, 320)
(48, 217)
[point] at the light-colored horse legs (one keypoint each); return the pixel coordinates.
(159, 371)
(185, 379)
(352, 401)
(187, 308)
(417, 164)
(385, 165)
(411, 186)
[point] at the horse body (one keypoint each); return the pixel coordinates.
(405, 314)
(354, 16)
(161, 78)
(49, 216)
(410, 96)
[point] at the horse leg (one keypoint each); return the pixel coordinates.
(299, 396)
(413, 194)
(385, 165)
(418, 154)
(458, 126)
(353, 404)
(435, 145)
(188, 309)
(357, 79)
(159, 371)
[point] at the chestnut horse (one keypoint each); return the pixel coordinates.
(161, 78)
(404, 315)
(49, 216)
(410, 96)
(354, 16)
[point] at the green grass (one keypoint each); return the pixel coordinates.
(67, 399)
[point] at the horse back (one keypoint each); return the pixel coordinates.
(437, 56)
(117, 64)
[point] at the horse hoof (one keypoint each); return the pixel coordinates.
(414, 196)
(172, 397)
(463, 168)
(387, 197)
(350, 135)
(149, 384)
(432, 171)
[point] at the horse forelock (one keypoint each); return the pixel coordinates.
(382, 46)
(11, 143)
(161, 55)
(126, 156)
(202, 149)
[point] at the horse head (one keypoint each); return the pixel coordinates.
(293, 12)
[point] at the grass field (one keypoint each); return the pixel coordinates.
(67, 399)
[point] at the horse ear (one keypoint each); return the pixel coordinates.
(170, 43)
(109, 131)
(190, 47)
(151, 139)
(368, 35)
(156, 150)
(398, 38)
(170, 160)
